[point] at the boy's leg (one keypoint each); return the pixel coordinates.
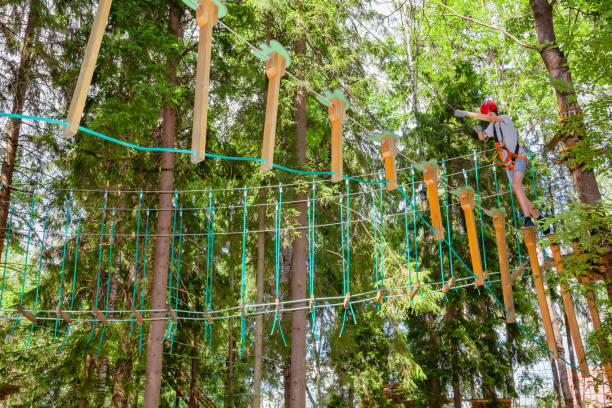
(526, 205)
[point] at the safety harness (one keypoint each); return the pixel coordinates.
(511, 157)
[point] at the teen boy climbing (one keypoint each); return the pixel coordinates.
(512, 155)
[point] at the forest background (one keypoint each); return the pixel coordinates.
(404, 66)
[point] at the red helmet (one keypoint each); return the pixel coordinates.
(487, 106)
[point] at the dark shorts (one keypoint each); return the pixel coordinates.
(520, 165)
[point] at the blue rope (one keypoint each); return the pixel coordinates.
(178, 275)
(277, 238)
(175, 204)
(448, 229)
(42, 252)
(243, 276)
(144, 274)
(59, 298)
(136, 262)
(108, 282)
(311, 256)
(416, 246)
(93, 327)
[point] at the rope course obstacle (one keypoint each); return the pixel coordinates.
(277, 60)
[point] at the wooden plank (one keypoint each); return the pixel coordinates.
(466, 196)
(347, 299)
(388, 148)
(430, 174)
(519, 271)
(337, 114)
(87, 68)
(208, 316)
(275, 70)
(28, 315)
(499, 223)
(415, 290)
(65, 316)
(172, 314)
(449, 285)
(530, 243)
(207, 16)
(569, 311)
(99, 315)
(381, 294)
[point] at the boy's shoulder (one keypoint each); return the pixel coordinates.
(506, 118)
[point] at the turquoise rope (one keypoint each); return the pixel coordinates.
(243, 277)
(496, 188)
(208, 238)
(407, 242)
(175, 204)
(343, 260)
(442, 267)
(416, 247)
(209, 264)
(178, 275)
(108, 282)
(25, 266)
(374, 227)
(482, 238)
(311, 253)
(99, 264)
(42, 251)
(144, 274)
(8, 240)
(76, 255)
(136, 262)
(382, 240)
(448, 229)
(59, 298)
(167, 149)
(278, 220)
(348, 247)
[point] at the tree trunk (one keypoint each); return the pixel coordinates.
(261, 253)
(298, 271)
(20, 84)
(193, 380)
(287, 384)
(570, 351)
(163, 231)
(88, 366)
(555, 375)
(558, 68)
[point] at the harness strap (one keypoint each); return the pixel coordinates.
(511, 157)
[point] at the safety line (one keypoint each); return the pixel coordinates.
(99, 266)
(59, 297)
(136, 262)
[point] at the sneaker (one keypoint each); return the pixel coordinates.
(541, 221)
(528, 222)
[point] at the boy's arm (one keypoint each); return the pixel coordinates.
(489, 117)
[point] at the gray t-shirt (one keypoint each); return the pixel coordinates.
(506, 132)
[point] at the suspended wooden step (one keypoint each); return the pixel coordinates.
(277, 61)
(28, 315)
(499, 222)
(530, 242)
(388, 147)
(569, 311)
(430, 174)
(466, 197)
(337, 105)
(208, 12)
(87, 68)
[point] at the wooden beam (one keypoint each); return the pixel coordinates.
(207, 16)
(449, 285)
(430, 174)
(415, 290)
(590, 296)
(466, 196)
(337, 114)
(388, 148)
(275, 70)
(65, 316)
(87, 68)
(99, 315)
(499, 223)
(569, 311)
(28, 315)
(530, 243)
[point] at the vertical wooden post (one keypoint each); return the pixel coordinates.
(87, 68)
(337, 114)
(499, 222)
(388, 148)
(569, 311)
(207, 15)
(466, 196)
(430, 174)
(275, 70)
(530, 243)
